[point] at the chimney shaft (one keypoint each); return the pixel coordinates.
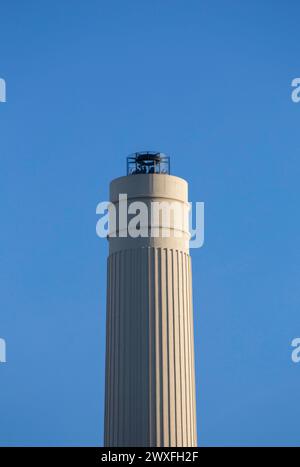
(150, 381)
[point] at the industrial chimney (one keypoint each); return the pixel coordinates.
(150, 377)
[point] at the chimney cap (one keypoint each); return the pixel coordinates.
(148, 162)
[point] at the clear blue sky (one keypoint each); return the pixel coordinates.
(208, 83)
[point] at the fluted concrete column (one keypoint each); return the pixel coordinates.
(150, 381)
